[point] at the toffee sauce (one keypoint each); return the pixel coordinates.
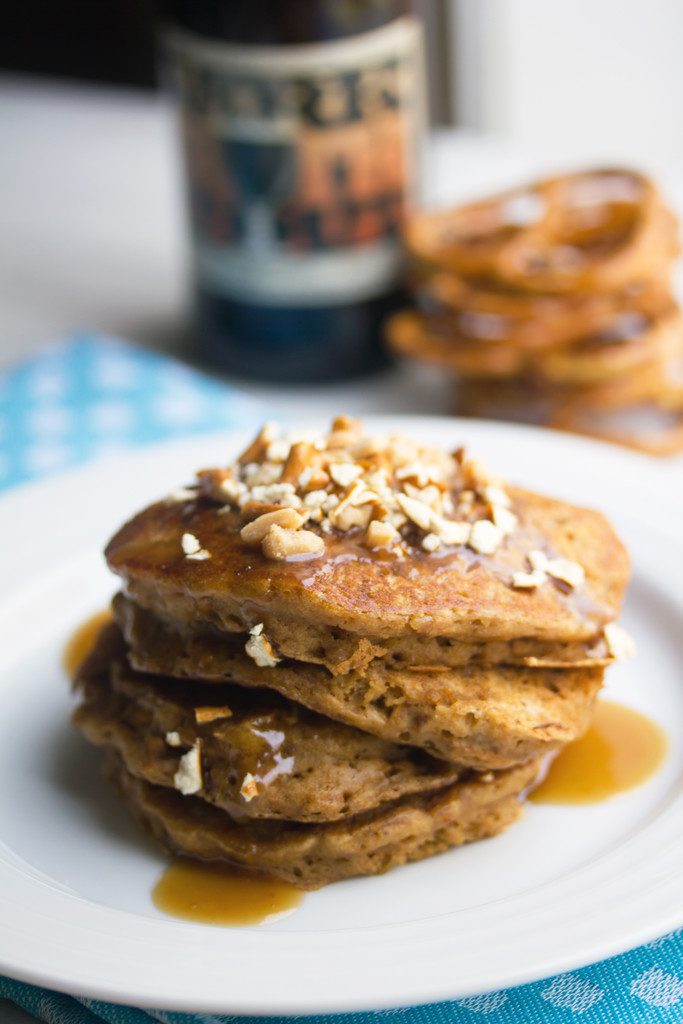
(221, 895)
(621, 749)
(82, 641)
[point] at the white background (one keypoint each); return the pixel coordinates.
(582, 78)
(93, 231)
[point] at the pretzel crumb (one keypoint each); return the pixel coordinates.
(260, 649)
(249, 788)
(431, 542)
(381, 534)
(620, 644)
(188, 778)
(280, 543)
(528, 580)
(255, 531)
(389, 491)
(485, 537)
(563, 569)
(211, 714)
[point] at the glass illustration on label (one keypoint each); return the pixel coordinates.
(299, 174)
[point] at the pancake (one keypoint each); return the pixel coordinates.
(336, 578)
(342, 652)
(535, 322)
(480, 716)
(298, 765)
(311, 856)
(460, 594)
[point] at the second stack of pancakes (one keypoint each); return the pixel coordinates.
(344, 652)
(552, 304)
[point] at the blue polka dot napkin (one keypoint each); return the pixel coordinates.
(87, 396)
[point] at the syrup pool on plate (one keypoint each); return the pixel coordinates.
(82, 641)
(220, 895)
(621, 749)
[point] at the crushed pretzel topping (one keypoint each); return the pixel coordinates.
(260, 649)
(431, 542)
(496, 496)
(280, 543)
(344, 473)
(538, 560)
(249, 787)
(278, 450)
(417, 511)
(542, 568)
(255, 531)
(316, 499)
(188, 778)
(485, 537)
(181, 494)
(504, 519)
(565, 570)
(620, 644)
(381, 534)
(211, 714)
(190, 544)
(451, 531)
(261, 474)
(233, 490)
(292, 491)
(528, 580)
(192, 548)
(273, 494)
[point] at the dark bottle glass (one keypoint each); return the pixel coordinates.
(301, 123)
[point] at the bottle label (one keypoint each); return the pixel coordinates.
(301, 161)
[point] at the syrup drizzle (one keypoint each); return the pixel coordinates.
(621, 749)
(222, 895)
(82, 641)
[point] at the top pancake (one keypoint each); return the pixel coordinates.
(389, 591)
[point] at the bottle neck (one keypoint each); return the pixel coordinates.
(283, 22)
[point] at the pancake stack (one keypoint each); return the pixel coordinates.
(345, 652)
(552, 305)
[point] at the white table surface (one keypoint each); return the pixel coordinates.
(93, 230)
(93, 236)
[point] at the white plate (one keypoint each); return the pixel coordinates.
(565, 887)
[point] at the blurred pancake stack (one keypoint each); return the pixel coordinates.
(552, 304)
(344, 652)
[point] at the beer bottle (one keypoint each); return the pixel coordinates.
(301, 123)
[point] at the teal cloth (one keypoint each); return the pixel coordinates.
(91, 395)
